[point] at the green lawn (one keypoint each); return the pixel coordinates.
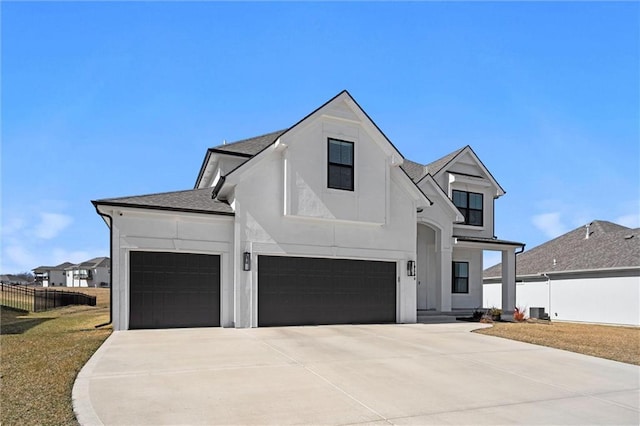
(41, 355)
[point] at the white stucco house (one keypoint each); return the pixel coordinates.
(52, 276)
(590, 274)
(324, 222)
(91, 273)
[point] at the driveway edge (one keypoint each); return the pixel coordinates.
(80, 398)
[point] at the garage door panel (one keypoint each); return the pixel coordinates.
(174, 290)
(325, 291)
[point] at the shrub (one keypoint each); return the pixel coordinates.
(495, 313)
(519, 314)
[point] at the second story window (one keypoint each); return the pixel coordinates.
(340, 172)
(470, 205)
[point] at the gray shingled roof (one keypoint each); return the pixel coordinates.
(192, 200)
(251, 146)
(415, 170)
(436, 166)
(96, 262)
(609, 246)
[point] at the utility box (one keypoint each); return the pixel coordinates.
(537, 313)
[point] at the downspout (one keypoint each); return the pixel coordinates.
(110, 266)
(544, 274)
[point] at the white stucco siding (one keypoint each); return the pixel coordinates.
(473, 299)
(327, 223)
(144, 230)
(607, 300)
(305, 180)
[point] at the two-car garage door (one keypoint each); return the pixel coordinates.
(183, 290)
(303, 291)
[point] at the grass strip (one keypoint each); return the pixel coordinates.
(609, 342)
(42, 354)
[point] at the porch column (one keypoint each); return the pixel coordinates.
(443, 292)
(508, 283)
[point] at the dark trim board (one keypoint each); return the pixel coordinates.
(314, 291)
(173, 290)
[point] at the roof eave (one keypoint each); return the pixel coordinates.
(163, 208)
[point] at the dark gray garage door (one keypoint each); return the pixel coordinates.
(173, 290)
(304, 291)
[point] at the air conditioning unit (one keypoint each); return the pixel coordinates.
(538, 313)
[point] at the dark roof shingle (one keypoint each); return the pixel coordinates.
(192, 200)
(609, 246)
(436, 166)
(250, 146)
(416, 171)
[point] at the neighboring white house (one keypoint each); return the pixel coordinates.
(591, 274)
(324, 222)
(52, 276)
(91, 273)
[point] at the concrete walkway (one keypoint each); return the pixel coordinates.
(373, 374)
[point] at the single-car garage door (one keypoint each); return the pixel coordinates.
(173, 290)
(305, 291)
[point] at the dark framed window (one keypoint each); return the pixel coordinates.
(340, 167)
(470, 205)
(460, 277)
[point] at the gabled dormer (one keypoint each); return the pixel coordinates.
(222, 159)
(471, 188)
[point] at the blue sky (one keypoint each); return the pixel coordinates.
(113, 99)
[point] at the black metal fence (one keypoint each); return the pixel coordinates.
(41, 299)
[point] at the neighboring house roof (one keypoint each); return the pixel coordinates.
(609, 246)
(60, 267)
(192, 200)
(96, 262)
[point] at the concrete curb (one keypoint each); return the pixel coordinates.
(81, 400)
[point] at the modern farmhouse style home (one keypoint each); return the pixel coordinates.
(321, 223)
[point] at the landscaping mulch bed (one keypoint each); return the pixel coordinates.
(610, 342)
(42, 354)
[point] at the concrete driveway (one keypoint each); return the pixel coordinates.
(373, 374)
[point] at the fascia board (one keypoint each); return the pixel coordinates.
(150, 209)
(204, 165)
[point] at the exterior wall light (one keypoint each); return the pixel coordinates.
(246, 261)
(411, 268)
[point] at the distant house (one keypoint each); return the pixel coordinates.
(52, 276)
(591, 274)
(91, 273)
